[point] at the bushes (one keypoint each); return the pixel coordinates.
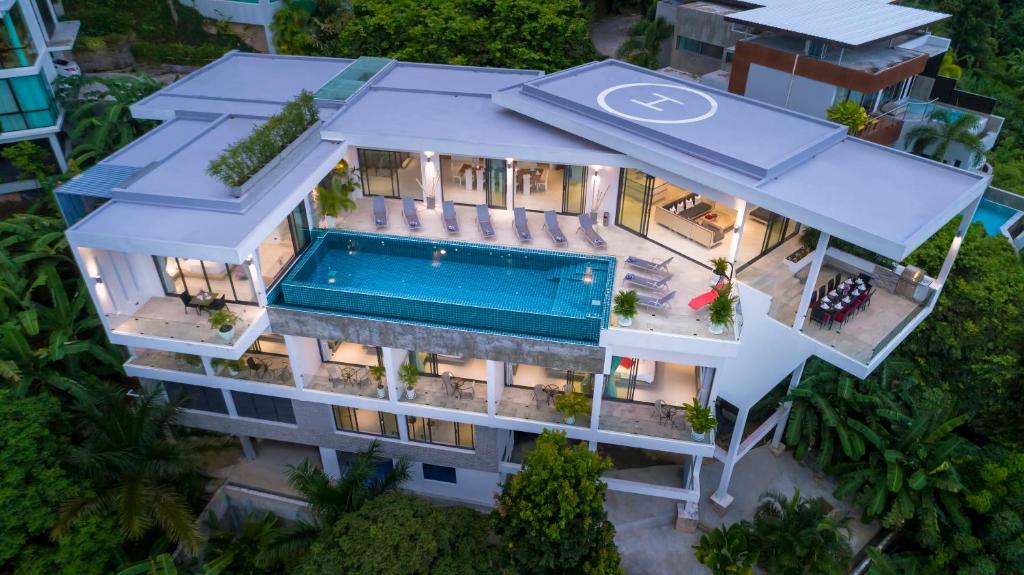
(177, 53)
(245, 157)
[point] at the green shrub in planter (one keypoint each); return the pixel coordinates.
(572, 404)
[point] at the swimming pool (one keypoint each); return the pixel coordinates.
(993, 216)
(496, 289)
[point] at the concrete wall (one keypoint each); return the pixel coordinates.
(705, 26)
(540, 352)
(804, 95)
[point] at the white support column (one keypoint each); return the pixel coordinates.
(58, 153)
(248, 448)
(954, 248)
(252, 267)
(811, 281)
(329, 461)
(207, 365)
(510, 184)
(495, 381)
(595, 407)
(393, 359)
(229, 402)
(722, 497)
(737, 234)
(403, 428)
(780, 427)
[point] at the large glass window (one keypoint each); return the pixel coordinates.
(196, 397)
(365, 421)
(263, 407)
(183, 275)
(462, 179)
(26, 102)
(47, 15)
(280, 248)
(441, 432)
(392, 174)
(347, 353)
(439, 473)
(16, 47)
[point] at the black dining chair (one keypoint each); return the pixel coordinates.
(821, 293)
(218, 303)
(831, 284)
(839, 278)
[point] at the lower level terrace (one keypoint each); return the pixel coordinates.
(170, 318)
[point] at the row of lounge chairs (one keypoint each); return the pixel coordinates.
(662, 298)
(483, 219)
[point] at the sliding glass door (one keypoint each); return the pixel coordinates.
(494, 183)
(635, 192)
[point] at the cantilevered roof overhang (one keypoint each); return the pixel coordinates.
(433, 107)
(805, 168)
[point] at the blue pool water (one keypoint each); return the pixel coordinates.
(993, 216)
(481, 287)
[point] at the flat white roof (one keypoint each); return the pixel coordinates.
(847, 22)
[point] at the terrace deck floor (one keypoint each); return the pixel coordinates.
(689, 279)
(166, 317)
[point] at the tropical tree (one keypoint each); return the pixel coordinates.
(934, 137)
(901, 564)
(727, 550)
(243, 551)
(49, 331)
(949, 68)
(330, 500)
(551, 515)
(643, 44)
(850, 114)
(100, 121)
(140, 474)
(796, 535)
(164, 564)
(336, 196)
(291, 27)
(399, 534)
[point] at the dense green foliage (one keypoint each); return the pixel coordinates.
(551, 515)
(538, 34)
(643, 45)
(99, 121)
(243, 159)
(401, 534)
(933, 139)
(158, 30)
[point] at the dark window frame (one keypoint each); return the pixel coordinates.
(440, 473)
(251, 410)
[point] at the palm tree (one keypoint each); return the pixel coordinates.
(796, 535)
(727, 551)
(329, 500)
(140, 474)
(943, 130)
(643, 45)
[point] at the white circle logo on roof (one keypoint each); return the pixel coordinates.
(657, 103)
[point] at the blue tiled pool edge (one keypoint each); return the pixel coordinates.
(404, 308)
(993, 215)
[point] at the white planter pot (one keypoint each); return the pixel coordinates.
(697, 436)
(381, 393)
(716, 328)
(570, 420)
(625, 321)
(226, 335)
(410, 394)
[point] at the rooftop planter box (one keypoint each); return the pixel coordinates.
(247, 157)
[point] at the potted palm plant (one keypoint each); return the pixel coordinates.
(722, 314)
(336, 196)
(409, 374)
(572, 404)
(377, 376)
(224, 320)
(719, 269)
(625, 307)
(700, 419)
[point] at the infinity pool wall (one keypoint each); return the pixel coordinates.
(496, 289)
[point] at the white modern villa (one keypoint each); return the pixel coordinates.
(498, 214)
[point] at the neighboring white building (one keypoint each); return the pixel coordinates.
(31, 37)
(244, 13)
(676, 173)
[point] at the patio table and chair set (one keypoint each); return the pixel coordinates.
(840, 300)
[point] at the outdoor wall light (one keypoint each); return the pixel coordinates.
(97, 278)
(509, 162)
(428, 154)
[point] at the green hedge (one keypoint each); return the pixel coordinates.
(247, 156)
(183, 54)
